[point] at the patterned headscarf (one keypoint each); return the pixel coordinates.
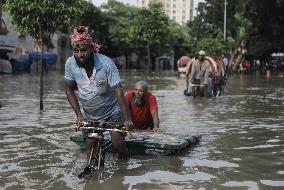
(81, 36)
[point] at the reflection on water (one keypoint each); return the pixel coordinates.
(241, 148)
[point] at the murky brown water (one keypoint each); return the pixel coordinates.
(242, 145)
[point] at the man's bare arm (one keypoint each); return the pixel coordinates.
(192, 74)
(206, 74)
(72, 99)
(123, 106)
(156, 120)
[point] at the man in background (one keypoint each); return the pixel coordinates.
(199, 74)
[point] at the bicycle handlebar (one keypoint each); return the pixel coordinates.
(96, 124)
(196, 85)
(102, 126)
(99, 129)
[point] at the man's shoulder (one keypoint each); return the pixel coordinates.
(195, 61)
(152, 101)
(70, 60)
(101, 56)
(151, 95)
(128, 94)
(105, 60)
(207, 62)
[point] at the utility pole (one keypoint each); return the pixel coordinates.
(1, 3)
(225, 19)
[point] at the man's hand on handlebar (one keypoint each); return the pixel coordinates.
(80, 121)
(156, 130)
(128, 124)
(106, 126)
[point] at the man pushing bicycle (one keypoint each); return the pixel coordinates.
(199, 74)
(99, 89)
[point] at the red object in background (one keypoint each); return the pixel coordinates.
(19, 51)
(246, 64)
(183, 61)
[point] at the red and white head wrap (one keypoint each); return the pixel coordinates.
(81, 36)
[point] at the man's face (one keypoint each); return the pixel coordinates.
(201, 57)
(138, 91)
(82, 54)
(139, 97)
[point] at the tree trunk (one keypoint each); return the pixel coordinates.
(41, 79)
(126, 61)
(153, 61)
(149, 60)
(234, 55)
(1, 3)
(237, 55)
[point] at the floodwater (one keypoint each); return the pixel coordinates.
(242, 144)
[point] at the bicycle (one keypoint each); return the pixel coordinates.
(96, 131)
(196, 89)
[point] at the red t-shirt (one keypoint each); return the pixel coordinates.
(141, 115)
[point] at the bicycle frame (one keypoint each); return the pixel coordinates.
(96, 131)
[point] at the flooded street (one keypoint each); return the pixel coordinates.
(242, 144)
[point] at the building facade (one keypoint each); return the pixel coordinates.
(181, 11)
(14, 45)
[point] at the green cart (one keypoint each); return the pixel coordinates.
(146, 142)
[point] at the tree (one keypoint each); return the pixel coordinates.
(243, 28)
(110, 27)
(206, 28)
(268, 21)
(150, 28)
(180, 40)
(255, 26)
(1, 3)
(1, 26)
(213, 45)
(97, 21)
(118, 16)
(41, 18)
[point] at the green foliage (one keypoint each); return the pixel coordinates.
(259, 22)
(206, 28)
(110, 26)
(213, 46)
(118, 22)
(244, 25)
(180, 40)
(42, 17)
(96, 20)
(150, 26)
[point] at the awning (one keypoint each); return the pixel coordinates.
(7, 48)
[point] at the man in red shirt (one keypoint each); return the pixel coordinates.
(143, 107)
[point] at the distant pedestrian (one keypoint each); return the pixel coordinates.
(225, 61)
(258, 64)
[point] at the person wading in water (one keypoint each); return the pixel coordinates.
(99, 88)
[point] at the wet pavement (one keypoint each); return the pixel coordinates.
(242, 132)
